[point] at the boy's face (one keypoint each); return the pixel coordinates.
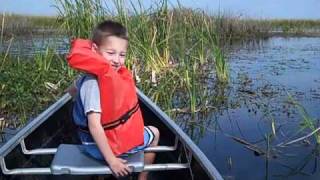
(114, 49)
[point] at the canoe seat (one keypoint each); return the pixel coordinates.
(70, 159)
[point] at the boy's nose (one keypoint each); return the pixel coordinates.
(116, 60)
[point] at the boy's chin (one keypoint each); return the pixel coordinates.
(116, 68)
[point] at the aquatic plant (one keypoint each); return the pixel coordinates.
(221, 66)
(307, 121)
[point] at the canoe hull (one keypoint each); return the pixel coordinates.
(58, 129)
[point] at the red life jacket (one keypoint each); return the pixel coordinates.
(120, 116)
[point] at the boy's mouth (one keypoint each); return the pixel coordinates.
(115, 66)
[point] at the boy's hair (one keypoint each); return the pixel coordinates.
(108, 28)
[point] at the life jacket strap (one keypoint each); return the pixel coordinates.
(123, 119)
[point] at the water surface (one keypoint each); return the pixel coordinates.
(264, 74)
(28, 46)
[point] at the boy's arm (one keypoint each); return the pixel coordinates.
(82, 57)
(117, 165)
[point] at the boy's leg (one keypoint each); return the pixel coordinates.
(149, 157)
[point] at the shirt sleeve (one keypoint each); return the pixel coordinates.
(90, 95)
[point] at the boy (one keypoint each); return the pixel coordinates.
(106, 108)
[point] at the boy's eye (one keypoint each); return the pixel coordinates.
(123, 55)
(111, 53)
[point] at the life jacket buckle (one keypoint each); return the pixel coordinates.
(124, 119)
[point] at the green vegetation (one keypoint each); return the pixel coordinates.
(295, 26)
(28, 86)
(175, 53)
(307, 121)
(228, 26)
(14, 25)
(168, 47)
(233, 28)
(221, 66)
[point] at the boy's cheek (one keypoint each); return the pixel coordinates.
(122, 60)
(106, 56)
(103, 54)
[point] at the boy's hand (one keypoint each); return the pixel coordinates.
(72, 89)
(119, 167)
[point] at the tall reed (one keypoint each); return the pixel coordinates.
(2, 28)
(221, 66)
(168, 47)
(79, 17)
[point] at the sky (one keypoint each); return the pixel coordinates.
(279, 9)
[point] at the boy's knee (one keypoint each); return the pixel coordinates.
(156, 133)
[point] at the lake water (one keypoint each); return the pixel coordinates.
(264, 75)
(254, 114)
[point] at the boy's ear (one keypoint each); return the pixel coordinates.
(94, 47)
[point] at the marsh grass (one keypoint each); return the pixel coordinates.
(28, 86)
(14, 24)
(80, 16)
(168, 47)
(2, 28)
(295, 26)
(233, 28)
(221, 66)
(172, 49)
